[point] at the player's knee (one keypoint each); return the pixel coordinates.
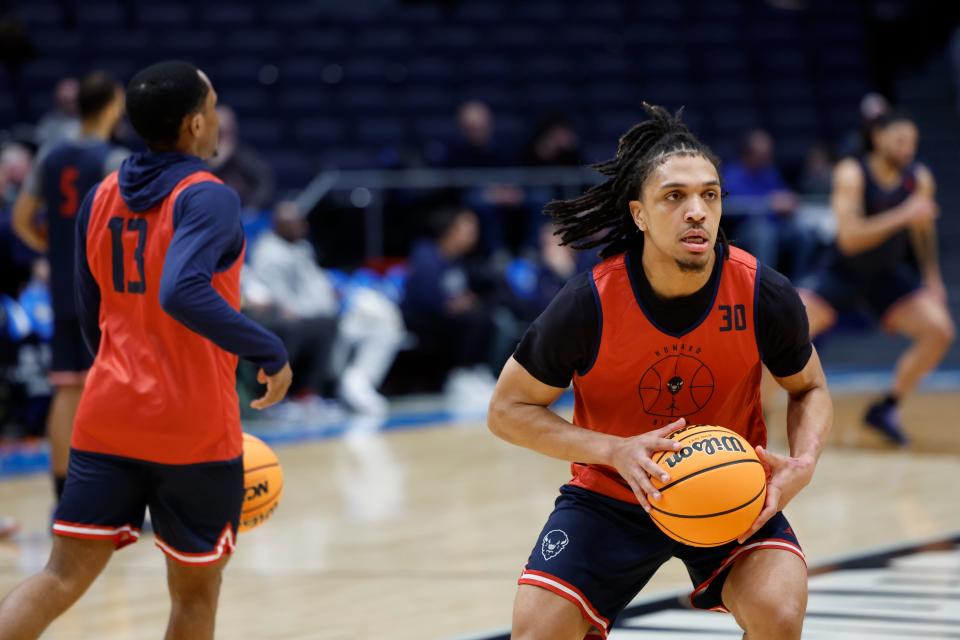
(941, 334)
(196, 592)
(771, 617)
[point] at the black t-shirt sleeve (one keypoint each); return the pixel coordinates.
(782, 330)
(564, 339)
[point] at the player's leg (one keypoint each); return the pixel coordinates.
(74, 564)
(101, 510)
(762, 581)
(70, 362)
(194, 592)
(195, 510)
(66, 399)
(926, 321)
(907, 309)
(539, 614)
(593, 556)
(766, 591)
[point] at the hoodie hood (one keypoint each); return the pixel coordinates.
(147, 178)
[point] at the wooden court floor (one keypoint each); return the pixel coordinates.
(422, 533)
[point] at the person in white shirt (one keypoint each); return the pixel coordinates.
(370, 327)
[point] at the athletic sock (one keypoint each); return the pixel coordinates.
(889, 400)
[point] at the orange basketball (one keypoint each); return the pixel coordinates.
(716, 490)
(262, 482)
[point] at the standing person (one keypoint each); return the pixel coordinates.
(884, 205)
(667, 289)
(61, 176)
(158, 258)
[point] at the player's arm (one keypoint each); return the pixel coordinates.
(561, 341)
(207, 237)
(924, 237)
(86, 289)
(856, 232)
(784, 341)
(809, 419)
(25, 226)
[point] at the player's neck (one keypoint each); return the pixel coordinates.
(668, 280)
(99, 129)
(883, 170)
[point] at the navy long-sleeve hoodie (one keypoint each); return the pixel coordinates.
(208, 238)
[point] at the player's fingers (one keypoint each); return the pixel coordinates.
(649, 490)
(641, 496)
(670, 428)
(665, 444)
(654, 469)
(262, 376)
(767, 513)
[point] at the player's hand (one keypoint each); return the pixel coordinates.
(277, 386)
(787, 477)
(921, 209)
(631, 458)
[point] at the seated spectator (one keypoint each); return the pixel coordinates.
(355, 338)
(506, 219)
(534, 283)
(440, 306)
(240, 166)
(62, 122)
(759, 215)
(554, 144)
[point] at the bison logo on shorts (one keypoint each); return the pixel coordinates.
(678, 385)
(553, 543)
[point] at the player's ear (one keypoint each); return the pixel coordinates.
(636, 212)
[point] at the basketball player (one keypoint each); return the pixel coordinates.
(58, 182)
(883, 202)
(159, 252)
(668, 298)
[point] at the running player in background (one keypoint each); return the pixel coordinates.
(159, 252)
(884, 204)
(60, 178)
(667, 291)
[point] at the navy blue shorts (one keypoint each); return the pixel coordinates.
(599, 552)
(70, 357)
(194, 508)
(874, 297)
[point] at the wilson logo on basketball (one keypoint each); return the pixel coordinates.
(708, 446)
(257, 490)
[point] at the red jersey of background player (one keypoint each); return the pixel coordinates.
(162, 387)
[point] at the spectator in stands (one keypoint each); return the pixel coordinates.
(357, 337)
(554, 144)
(440, 306)
(817, 176)
(759, 214)
(494, 204)
(15, 164)
(242, 168)
(535, 283)
(62, 122)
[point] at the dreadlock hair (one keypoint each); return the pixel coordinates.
(601, 216)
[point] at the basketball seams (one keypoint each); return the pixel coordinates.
(263, 466)
(704, 470)
(719, 513)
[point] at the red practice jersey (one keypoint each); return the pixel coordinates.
(157, 390)
(644, 378)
